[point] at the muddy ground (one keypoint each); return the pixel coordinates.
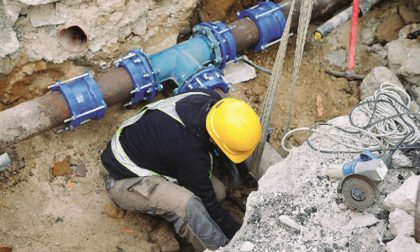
(40, 212)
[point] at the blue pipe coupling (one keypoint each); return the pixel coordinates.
(207, 78)
(221, 40)
(84, 100)
(145, 86)
(270, 21)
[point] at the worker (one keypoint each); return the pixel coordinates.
(160, 162)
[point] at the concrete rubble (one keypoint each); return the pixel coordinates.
(375, 78)
(405, 197)
(401, 223)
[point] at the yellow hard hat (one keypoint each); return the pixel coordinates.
(234, 127)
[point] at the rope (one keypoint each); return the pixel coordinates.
(304, 19)
(271, 94)
(390, 126)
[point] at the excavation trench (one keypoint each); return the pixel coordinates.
(71, 203)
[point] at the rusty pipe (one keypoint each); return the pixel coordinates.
(46, 112)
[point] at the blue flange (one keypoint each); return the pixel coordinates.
(84, 99)
(221, 39)
(208, 78)
(137, 65)
(269, 19)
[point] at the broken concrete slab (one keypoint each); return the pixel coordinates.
(375, 78)
(399, 160)
(269, 157)
(389, 29)
(403, 244)
(401, 223)
(404, 197)
(45, 15)
(403, 57)
(362, 220)
(239, 72)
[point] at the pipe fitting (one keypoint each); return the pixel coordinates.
(83, 98)
(270, 21)
(221, 37)
(145, 87)
(208, 78)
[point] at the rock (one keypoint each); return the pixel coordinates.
(404, 197)
(408, 29)
(247, 246)
(5, 248)
(408, 14)
(415, 91)
(359, 221)
(338, 58)
(398, 51)
(388, 30)
(410, 67)
(61, 168)
(114, 211)
(380, 51)
(403, 244)
(375, 78)
(37, 2)
(400, 160)
(8, 40)
(79, 169)
(401, 223)
(164, 237)
(368, 37)
(289, 222)
(45, 15)
(239, 72)
(5, 161)
(12, 10)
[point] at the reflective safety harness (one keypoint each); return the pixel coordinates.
(167, 106)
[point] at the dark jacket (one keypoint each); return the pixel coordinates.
(159, 143)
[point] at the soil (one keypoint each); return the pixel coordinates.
(42, 212)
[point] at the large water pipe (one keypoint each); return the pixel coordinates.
(254, 29)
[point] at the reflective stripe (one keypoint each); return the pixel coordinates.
(167, 106)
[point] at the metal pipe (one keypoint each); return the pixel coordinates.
(43, 113)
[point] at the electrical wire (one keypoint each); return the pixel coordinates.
(390, 126)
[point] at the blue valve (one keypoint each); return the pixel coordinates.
(208, 78)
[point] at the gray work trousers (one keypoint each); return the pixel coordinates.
(155, 195)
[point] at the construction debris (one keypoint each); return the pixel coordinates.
(405, 197)
(401, 223)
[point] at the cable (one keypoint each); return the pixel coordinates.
(390, 126)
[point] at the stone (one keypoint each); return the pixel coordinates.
(404, 197)
(37, 2)
(403, 244)
(289, 222)
(140, 26)
(415, 90)
(409, 15)
(164, 237)
(8, 40)
(401, 223)
(61, 168)
(359, 221)
(388, 30)
(399, 160)
(113, 211)
(79, 169)
(398, 51)
(338, 58)
(45, 15)
(247, 246)
(375, 78)
(5, 248)
(269, 158)
(12, 10)
(410, 67)
(239, 72)
(408, 29)
(5, 161)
